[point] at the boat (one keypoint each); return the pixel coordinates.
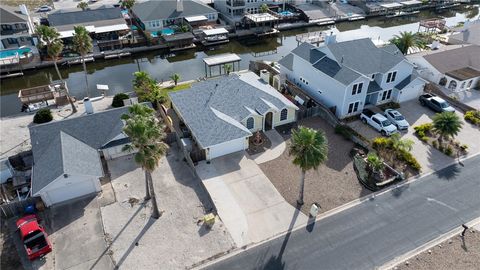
(402, 13)
(79, 61)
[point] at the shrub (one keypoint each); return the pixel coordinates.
(43, 116)
(423, 130)
(435, 144)
(464, 147)
(448, 150)
(381, 143)
(424, 139)
(410, 160)
(473, 117)
(344, 131)
(118, 100)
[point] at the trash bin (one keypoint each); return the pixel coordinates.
(314, 210)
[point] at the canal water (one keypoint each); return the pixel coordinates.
(117, 74)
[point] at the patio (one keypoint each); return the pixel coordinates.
(332, 185)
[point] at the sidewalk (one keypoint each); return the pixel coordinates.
(275, 151)
(246, 201)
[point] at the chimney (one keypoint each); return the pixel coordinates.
(179, 5)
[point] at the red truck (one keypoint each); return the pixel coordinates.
(34, 237)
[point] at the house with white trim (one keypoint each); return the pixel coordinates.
(351, 75)
(223, 113)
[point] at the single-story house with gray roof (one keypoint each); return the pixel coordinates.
(222, 113)
(67, 153)
(351, 75)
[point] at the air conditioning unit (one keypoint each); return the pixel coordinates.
(265, 75)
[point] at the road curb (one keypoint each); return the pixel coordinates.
(398, 260)
(214, 259)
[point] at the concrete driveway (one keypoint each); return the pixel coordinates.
(430, 158)
(78, 238)
(247, 202)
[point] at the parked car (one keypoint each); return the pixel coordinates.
(397, 119)
(435, 103)
(378, 122)
(44, 8)
(34, 237)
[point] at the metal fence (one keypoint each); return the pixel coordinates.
(16, 208)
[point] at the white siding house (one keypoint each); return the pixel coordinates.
(348, 76)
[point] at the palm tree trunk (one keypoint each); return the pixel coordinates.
(302, 186)
(147, 189)
(155, 212)
(74, 109)
(86, 77)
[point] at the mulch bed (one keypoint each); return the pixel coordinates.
(331, 185)
(256, 149)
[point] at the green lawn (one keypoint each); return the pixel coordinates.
(31, 4)
(164, 91)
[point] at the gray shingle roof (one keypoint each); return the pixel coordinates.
(303, 50)
(287, 61)
(11, 15)
(75, 17)
(373, 87)
(445, 61)
(93, 130)
(363, 56)
(159, 10)
(64, 155)
(213, 109)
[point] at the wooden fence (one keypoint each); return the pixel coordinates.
(16, 208)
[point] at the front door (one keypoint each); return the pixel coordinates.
(268, 121)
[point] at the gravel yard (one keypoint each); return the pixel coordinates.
(451, 254)
(333, 184)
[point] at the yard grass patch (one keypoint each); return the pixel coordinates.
(31, 4)
(164, 92)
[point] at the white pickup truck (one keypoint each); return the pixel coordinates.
(378, 122)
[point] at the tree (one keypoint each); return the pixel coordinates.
(309, 149)
(146, 135)
(175, 77)
(50, 38)
(184, 28)
(376, 165)
(82, 44)
(227, 68)
(146, 87)
(404, 41)
(83, 5)
(128, 5)
(264, 8)
(446, 125)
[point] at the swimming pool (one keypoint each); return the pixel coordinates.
(14, 52)
(168, 31)
(286, 13)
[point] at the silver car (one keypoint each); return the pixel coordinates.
(397, 119)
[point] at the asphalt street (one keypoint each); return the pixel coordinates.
(376, 231)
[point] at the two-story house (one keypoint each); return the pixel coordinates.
(233, 11)
(16, 27)
(347, 76)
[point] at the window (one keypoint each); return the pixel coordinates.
(250, 122)
(283, 114)
(357, 88)
(391, 76)
(373, 76)
(353, 107)
(470, 83)
(463, 85)
(386, 95)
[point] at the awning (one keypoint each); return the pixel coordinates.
(221, 59)
(216, 31)
(261, 17)
(196, 18)
(110, 28)
(69, 33)
(411, 2)
(391, 5)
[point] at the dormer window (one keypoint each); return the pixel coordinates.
(250, 123)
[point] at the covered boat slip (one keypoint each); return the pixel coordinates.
(181, 41)
(221, 61)
(56, 91)
(214, 36)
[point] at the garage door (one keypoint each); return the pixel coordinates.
(75, 190)
(227, 148)
(410, 92)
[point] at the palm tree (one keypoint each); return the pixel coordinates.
(83, 5)
(175, 77)
(227, 68)
(128, 5)
(376, 165)
(146, 135)
(404, 41)
(264, 8)
(51, 38)
(309, 149)
(447, 125)
(82, 44)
